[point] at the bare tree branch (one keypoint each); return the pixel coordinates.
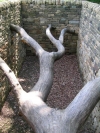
(46, 59)
(61, 37)
(83, 104)
(57, 43)
(44, 84)
(27, 39)
(12, 78)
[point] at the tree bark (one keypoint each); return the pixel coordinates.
(42, 118)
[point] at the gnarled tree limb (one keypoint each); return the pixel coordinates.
(83, 104)
(12, 78)
(46, 60)
(27, 39)
(57, 43)
(41, 117)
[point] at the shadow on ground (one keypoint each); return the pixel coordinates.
(67, 83)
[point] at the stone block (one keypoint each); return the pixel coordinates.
(62, 21)
(43, 20)
(74, 22)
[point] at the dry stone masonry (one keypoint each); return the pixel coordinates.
(59, 14)
(11, 48)
(88, 50)
(34, 16)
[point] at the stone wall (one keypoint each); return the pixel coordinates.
(88, 50)
(34, 16)
(11, 49)
(60, 14)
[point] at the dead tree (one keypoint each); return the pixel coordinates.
(42, 118)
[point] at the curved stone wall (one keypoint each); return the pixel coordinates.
(88, 50)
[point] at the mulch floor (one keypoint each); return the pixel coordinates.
(67, 83)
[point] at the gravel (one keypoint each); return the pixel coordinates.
(67, 83)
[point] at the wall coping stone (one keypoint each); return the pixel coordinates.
(56, 2)
(92, 6)
(7, 3)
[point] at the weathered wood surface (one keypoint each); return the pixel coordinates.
(42, 118)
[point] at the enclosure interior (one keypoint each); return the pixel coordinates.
(83, 17)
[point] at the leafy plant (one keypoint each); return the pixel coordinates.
(94, 1)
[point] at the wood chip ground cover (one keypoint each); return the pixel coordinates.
(67, 83)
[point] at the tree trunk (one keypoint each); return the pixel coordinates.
(42, 118)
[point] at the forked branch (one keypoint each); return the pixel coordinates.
(46, 59)
(57, 43)
(43, 118)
